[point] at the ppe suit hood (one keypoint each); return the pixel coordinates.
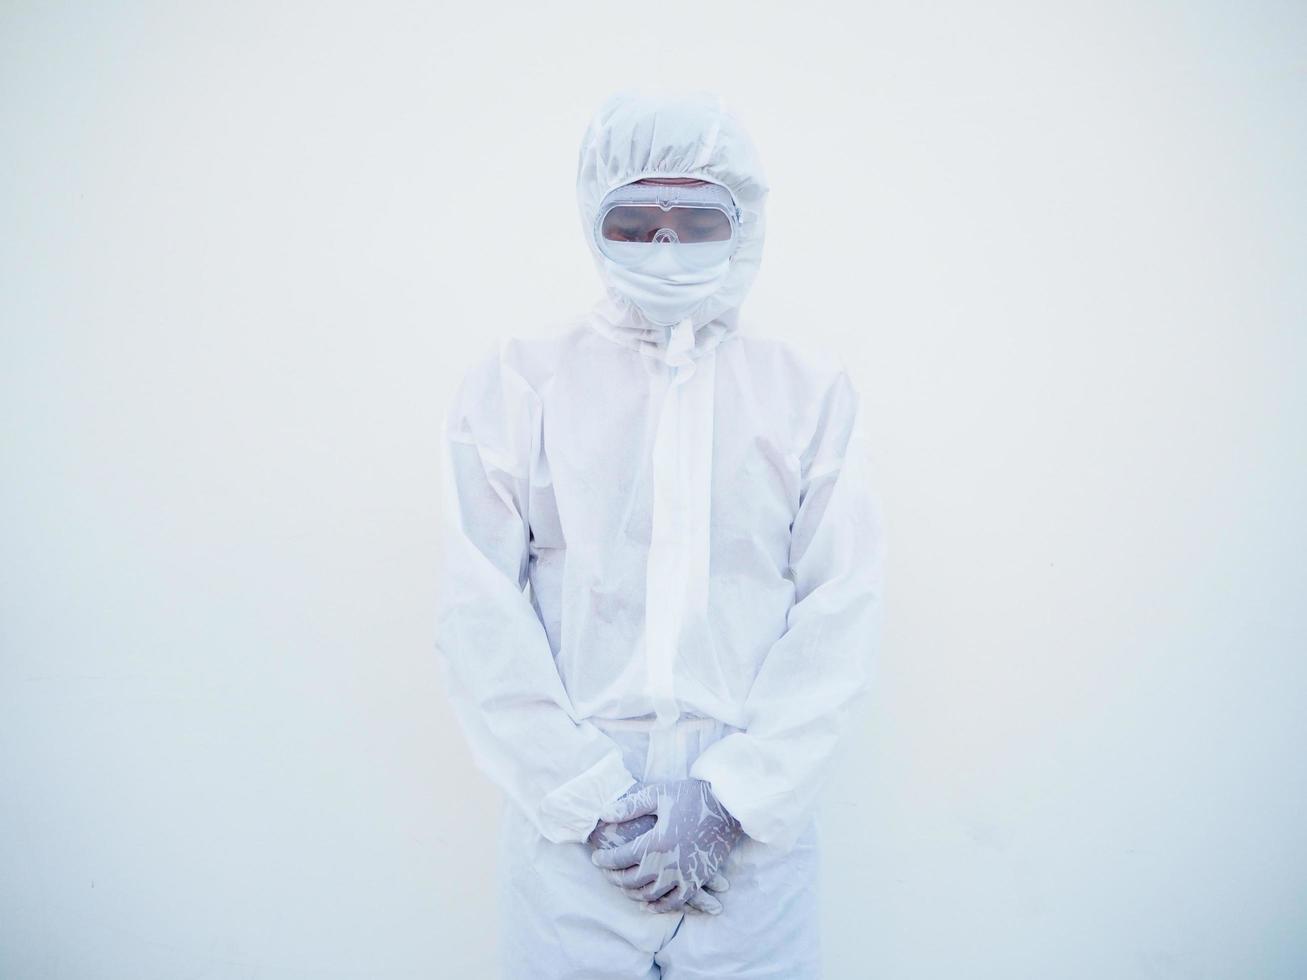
(636, 135)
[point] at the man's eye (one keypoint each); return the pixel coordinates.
(708, 229)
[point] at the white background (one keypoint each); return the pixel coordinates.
(245, 251)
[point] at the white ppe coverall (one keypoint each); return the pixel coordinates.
(662, 560)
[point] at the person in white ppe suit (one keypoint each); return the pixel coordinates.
(661, 582)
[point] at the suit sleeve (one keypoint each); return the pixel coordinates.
(495, 657)
(768, 775)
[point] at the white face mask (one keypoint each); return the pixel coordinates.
(671, 281)
(666, 287)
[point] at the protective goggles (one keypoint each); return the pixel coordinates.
(636, 219)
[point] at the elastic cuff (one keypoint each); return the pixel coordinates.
(745, 783)
(569, 813)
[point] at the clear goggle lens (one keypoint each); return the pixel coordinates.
(651, 223)
(698, 221)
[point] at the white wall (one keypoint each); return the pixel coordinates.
(245, 251)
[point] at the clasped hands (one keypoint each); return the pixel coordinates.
(664, 845)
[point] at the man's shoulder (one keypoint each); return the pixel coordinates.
(533, 355)
(551, 341)
(790, 364)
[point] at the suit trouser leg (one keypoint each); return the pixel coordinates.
(769, 926)
(560, 918)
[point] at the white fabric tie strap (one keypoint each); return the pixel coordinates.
(676, 596)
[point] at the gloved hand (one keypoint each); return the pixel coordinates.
(609, 835)
(675, 860)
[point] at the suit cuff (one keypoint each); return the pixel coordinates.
(569, 813)
(745, 780)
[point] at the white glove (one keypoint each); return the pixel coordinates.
(609, 835)
(672, 862)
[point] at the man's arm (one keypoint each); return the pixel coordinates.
(498, 667)
(768, 775)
